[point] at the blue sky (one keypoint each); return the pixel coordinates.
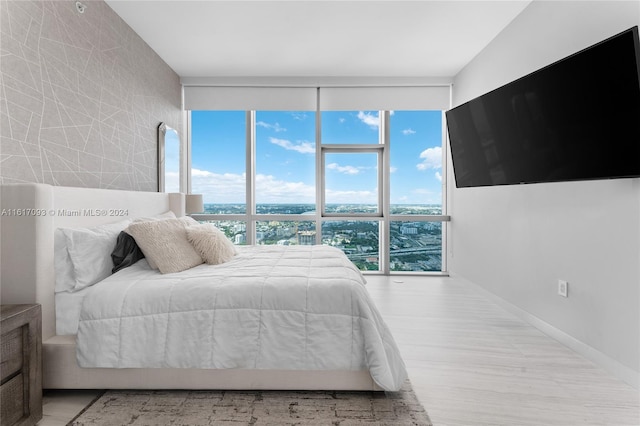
(285, 156)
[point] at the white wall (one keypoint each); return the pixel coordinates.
(517, 241)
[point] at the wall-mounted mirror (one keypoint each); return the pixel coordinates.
(168, 159)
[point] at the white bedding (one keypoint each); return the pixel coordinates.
(272, 307)
(68, 307)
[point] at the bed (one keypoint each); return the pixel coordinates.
(299, 334)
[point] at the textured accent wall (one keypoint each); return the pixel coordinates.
(81, 97)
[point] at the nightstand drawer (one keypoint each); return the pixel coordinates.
(12, 401)
(21, 364)
(11, 353)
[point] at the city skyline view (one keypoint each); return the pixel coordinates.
(413, 245)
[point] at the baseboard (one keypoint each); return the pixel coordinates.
(602, 360)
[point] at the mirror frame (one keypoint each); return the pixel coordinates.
(162, 133)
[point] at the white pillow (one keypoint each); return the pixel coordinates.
(65, 278)
(213, 246)
(165, 243)
(166, 215)
(90, 251)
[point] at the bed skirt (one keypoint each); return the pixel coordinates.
(61, 371)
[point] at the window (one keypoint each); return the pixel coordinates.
(218, 160)
(416, 162)
(350, 127)
(285, 161)
(287, 233)
(351, 182)
(415, 242)
(415, 246)
(367, 182)
(358, 239)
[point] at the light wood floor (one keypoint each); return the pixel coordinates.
(472, 363)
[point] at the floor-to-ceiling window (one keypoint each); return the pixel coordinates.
(369, 182)
(218, 168)
(416, 191)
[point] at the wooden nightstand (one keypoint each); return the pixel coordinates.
(20, 364)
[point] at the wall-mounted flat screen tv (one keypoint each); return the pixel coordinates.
(576, 119)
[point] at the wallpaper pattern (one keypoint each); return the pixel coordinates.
(81, 96)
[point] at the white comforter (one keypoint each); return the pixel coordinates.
(272, 307)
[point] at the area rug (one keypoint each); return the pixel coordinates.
(276, 408)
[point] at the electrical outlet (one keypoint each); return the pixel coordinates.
(563, 288)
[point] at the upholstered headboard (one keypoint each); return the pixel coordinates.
(30, 215)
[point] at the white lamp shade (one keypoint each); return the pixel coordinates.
(194, 203)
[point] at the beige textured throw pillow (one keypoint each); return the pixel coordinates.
(165, 243)
(213, 246)
(166, 215)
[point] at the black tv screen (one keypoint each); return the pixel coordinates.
(576, 119)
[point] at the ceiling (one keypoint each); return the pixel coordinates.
(317, 38)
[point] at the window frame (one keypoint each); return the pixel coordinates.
(384, 217)
(353, 149)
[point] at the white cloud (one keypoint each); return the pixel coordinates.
(302, 147)
(438, 176)
(272, 190)
(351, 197)
(224, 188)
(393, 169)
(431, 159)
(370, 120)
(407, 132)
(275, 127)
(231, 188)
(347, 170)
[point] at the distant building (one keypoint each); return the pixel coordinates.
(408, 230)
(431, 225)
(240, 239)
(283, 231)
(306, 238)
